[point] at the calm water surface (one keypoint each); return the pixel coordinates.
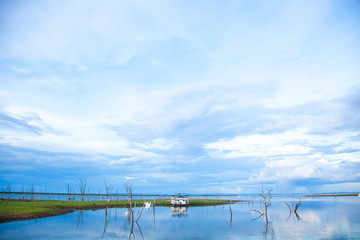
(320, 218)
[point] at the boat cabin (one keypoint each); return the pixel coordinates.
(179, 200)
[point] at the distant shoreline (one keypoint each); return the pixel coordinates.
(333, 195)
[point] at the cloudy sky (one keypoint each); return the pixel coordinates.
(181, 96)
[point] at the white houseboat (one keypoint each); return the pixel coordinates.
(179, 200)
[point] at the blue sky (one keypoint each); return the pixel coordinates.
(181, 96)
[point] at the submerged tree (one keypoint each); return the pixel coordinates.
(129, 187)
(108, 190)
(68, 190)
(266, 200)
(293, 209)
(82, 186)
(32, 191)
(8, 190)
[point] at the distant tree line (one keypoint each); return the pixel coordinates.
(80, 192)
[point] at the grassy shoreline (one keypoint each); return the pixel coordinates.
(19, 210)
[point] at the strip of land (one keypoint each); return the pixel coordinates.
(18, 210)
(333, 195)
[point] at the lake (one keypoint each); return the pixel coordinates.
(318, 218)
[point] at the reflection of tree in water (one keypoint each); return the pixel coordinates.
(80, 218)
(129, 223)
(293, 211)
(269, 231)
(107, 219)
(139, 230)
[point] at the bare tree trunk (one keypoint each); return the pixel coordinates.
(129, 187)
(295, 210)
(9, 191)
(68, 190)
(297, 206)
(108, 190)
(32, 190)
(230, 212)
(82, 186)
(141, 211)
(266, 200)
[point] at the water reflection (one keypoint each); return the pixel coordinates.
(79, 219)
(107, 219)
(179, 211)
(293, 211)
(320, 219)
(269, 231)
(130, 221)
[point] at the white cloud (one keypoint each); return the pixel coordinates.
(72, 134)
(331, 167)
(262, 145)
(159, 143)
(292, 142)
(47, 81)
(166, 177)
(21, 70)
(126, 160)
(231, 190)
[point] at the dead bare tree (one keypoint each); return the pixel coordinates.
(82, 186)
(141, 212)
(3, 190)
(23, 192)
(293, 210)
(266, 200)
(108, 190)
(8, 190)
(32, 191)
(297, 206)
(68, 190)
(129, 187)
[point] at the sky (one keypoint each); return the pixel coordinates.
(180, 96)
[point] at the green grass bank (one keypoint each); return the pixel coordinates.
(18, 210)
